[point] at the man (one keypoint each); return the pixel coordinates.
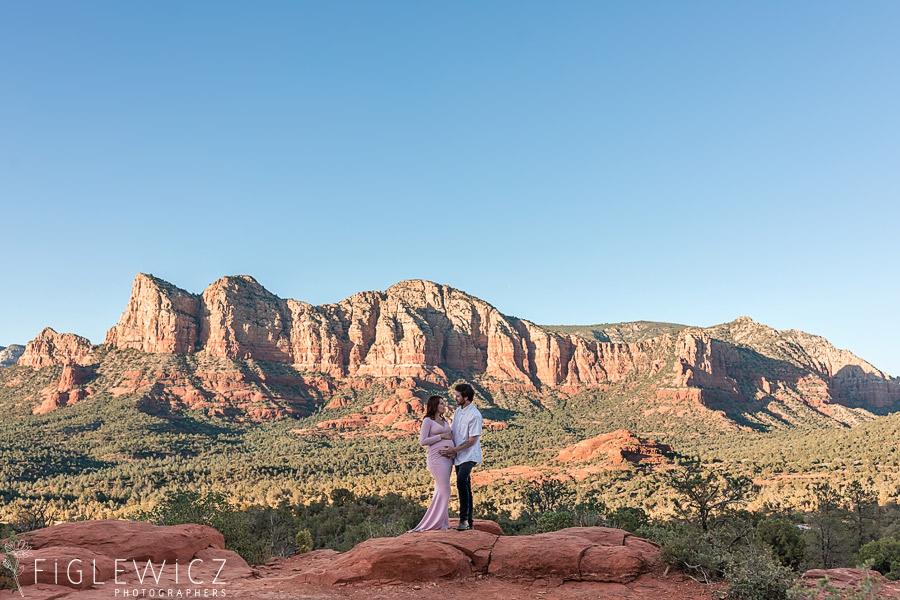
(466, 450)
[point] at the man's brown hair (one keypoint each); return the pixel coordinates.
(466, 391)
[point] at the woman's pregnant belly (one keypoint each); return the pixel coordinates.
(437, 447)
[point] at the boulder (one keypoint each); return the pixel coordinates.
(406, 558)
(68, 566)
(481, 525)
(475, 544)
(130, 540)
(538, 556)
(611, 564)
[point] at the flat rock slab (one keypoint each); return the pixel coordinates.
(148, 555)
(130, 540)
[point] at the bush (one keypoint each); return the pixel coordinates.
(304, 541)
(784, 539)
(213, 510)
(628, 518)
(755, 573)
(546, 495)
(554, 521)
(729, 551)
(883, 556)
(688, 549)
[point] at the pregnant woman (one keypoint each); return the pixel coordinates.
(435, 435)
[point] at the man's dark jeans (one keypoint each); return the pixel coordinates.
(464, 487)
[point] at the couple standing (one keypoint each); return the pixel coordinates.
(448, 445)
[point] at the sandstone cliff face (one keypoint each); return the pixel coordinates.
(50, 348)
(240, 319)
(805, 363)
(159, 318)
(414, 329)
(431, 333)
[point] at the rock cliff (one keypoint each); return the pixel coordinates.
(431, 334)
(50, 348)
(415, 329)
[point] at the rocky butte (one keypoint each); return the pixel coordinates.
(420, 333)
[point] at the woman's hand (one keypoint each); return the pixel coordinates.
(446, 436)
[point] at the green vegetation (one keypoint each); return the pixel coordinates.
(634, 331)
(772, 489)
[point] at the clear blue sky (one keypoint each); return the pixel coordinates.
(568, 162)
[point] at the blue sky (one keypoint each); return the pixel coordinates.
(568, 162)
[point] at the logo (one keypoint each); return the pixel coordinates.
(15, 551)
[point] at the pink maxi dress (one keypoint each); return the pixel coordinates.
(437, 515)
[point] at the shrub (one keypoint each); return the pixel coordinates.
(213, 510)
(883, 556)
(784, 539)
(754, 573)
(546, 495)
(729, 551)
(304, 541)
(628, 518)
(554, 521)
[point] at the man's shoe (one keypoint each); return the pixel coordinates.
(463, 526)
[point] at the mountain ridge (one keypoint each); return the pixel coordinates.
(419, 333)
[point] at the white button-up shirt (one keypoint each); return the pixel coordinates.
(466, 423)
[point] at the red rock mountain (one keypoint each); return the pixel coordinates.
(50, 348)
(430, 334)
(415, 329)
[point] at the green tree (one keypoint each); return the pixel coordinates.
(784, 538)
(882, 555)
(704, 491)
(861, 502)
(547, 495)
(554, 521)
(827, 527)
(304, 541)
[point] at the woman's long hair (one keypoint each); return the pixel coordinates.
(431, 407)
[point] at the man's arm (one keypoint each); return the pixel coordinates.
(457, 449)
(466, 444)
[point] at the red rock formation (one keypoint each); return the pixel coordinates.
(65, 392)
(90, 560)
(129, 540)
(51, 402)
(159, 318)
(618, 447)
(339, 402)
(71, 377)
(86, 555)
(485, 525)
(51, 348)
(415, 329)
(577, 554)
(424, 333)
(241, 319)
